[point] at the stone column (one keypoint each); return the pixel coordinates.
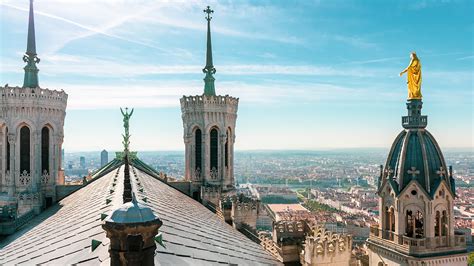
(221, 163)
(13, 172)
(35, 160)
(2, 163)
(187, 158)
(231, 158)
(205, 157)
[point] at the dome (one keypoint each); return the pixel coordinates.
(132, 212)
(415, 155)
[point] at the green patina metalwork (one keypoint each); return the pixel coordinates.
(126, 126)
(30, 57)
(209, 69)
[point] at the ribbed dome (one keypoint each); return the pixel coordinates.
(415, 155)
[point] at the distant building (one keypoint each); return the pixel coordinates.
(82, 162)
(104, 158)
(273, 194)
(416, 199)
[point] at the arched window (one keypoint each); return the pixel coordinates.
(414, 224)
(7, 150)
(437, 224)
(214, 146)
(45, 150)
(198, 149)
(387, 219)
(410, 224)
(227, 149)
(444, 224)
(392, 219)
(25, 149)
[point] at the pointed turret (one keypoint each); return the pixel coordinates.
(31, 71)
(209, 70)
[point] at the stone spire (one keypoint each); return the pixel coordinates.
(209, 70)
(30, 58)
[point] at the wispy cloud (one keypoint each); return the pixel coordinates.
(167, 94)
(90, 30)
(86, 66)
(466, 57)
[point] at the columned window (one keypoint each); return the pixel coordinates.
(25, 149)
(444, 224)
(198, 149)
(387, 219)
(414, 224)
(437, 224)
(214, 146)
(45, 150)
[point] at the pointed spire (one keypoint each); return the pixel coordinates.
(31, 71)
(209, 69)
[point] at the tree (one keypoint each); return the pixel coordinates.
(470, 259)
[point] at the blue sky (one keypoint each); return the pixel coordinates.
(309, 74)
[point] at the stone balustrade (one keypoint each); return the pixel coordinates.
(410, 245)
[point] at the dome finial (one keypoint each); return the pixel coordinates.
(414, 119)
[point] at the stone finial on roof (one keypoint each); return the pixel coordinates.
(131, 229)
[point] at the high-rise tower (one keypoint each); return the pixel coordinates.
(416, 199)
(209, 132)
(31, 135)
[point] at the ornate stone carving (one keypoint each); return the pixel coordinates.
(45, 177)
(25, 178)
(214, 173)
(197, 174)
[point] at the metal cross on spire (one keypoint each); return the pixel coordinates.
(209, 11)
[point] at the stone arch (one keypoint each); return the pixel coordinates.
(50, 125)
(227, 144)
(190, 130)
(6, 147)
(209, 127)
(414, 221)
(24, 122)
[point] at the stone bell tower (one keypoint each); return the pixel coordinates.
(209, 132)
(31, 135)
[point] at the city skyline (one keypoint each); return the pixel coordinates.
(321, 80)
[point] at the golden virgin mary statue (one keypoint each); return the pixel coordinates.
(413, 71)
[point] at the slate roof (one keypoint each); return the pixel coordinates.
(192, 234)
